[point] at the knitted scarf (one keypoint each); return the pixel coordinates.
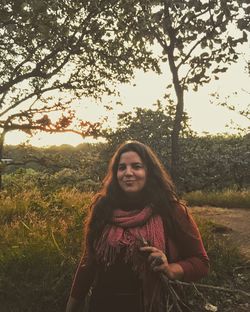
(129, 230)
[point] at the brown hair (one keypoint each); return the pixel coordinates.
(159, 191)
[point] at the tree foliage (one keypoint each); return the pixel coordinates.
(84, 47)
(54, 51)
(206, 163)
(198, 39)
(149, 126)
(47, 46)
(215, 163)
(230, 102)
(55, 167)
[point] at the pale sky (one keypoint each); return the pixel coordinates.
(205, 117)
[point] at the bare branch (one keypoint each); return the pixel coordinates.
(229, 290)
(35, 93)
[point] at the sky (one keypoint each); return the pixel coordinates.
(206, 117)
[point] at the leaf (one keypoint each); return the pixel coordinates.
(203, 44)
(217, 40)
(204, 55)
(210, 307)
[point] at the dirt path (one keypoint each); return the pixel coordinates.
(236, 221)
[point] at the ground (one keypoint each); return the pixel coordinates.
(235, 225)
(235, 221)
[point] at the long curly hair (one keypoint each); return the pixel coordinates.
(159, 191)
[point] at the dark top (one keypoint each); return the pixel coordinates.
(117, 289)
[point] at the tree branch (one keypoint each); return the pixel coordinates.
(183, 23)
(154, 32)
(36, 72)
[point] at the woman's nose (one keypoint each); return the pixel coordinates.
(128, 171)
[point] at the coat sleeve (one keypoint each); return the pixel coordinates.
(193, 256)
(84, 278)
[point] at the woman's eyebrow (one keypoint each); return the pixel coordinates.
(133, 163)
(137, 163)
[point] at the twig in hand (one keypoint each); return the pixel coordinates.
(176, 302)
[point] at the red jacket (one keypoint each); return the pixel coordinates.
(187, 250)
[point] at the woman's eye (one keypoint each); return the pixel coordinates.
(121, 168)
(137, 166)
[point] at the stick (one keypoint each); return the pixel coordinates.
(242, 292)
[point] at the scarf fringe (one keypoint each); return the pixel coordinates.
(128, 232)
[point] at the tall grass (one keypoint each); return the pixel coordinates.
(40, 246)
(223, 254)
(227, 198)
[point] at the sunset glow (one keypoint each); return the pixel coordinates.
(144, 91)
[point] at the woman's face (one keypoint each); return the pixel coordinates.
(131, 173)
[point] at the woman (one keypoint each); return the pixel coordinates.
(138, 235)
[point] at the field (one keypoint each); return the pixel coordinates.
(41, 238)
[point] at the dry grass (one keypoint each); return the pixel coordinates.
(227, 199)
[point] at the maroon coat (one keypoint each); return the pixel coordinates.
(187, 250)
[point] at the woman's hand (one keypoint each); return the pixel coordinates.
(159, 263)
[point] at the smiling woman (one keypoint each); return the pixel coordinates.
(137, 230)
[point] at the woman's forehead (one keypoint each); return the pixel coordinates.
(130, 156)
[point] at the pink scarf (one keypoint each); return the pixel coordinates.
(129, 229)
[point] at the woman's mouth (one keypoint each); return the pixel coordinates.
(129, 182)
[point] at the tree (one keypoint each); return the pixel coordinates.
(215, 163)
(198, 39)
(53, 51)
(206, 163)
(231, 102)
(152, 127)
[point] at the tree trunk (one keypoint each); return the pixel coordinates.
(179, 91)
(175, 150)
(175, 155)
(2, 135)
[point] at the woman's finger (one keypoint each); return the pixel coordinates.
(159, 268)
(157, 261)
(149, 249)
(154, 255)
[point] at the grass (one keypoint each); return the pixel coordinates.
(227, 199)
(223, 254)
(225, 258)
(40, 246)
(35, 277)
